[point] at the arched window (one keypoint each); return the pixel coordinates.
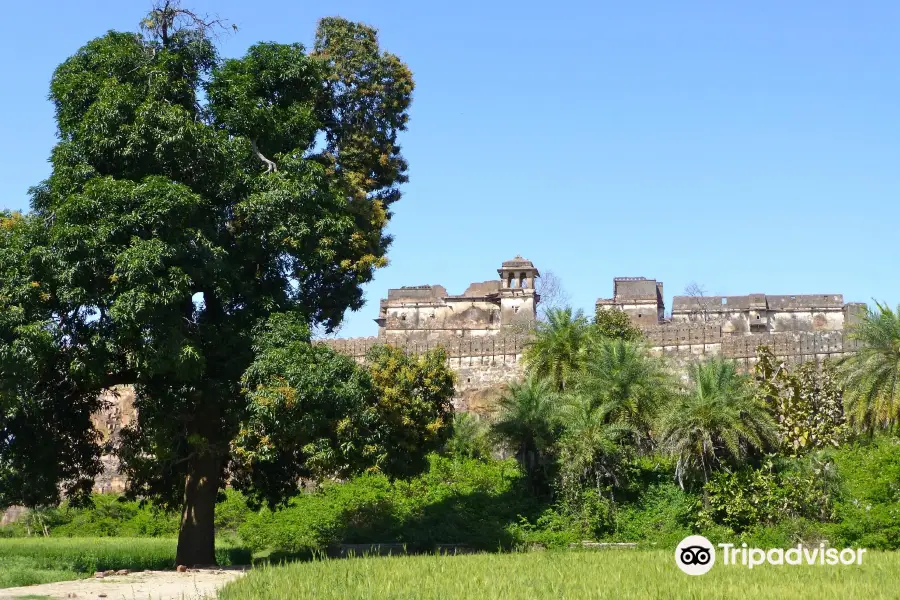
(523, 282)
(509, 281)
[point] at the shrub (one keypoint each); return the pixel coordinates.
(868, 509)
(454, 501)
(470, 438)
(663, 515)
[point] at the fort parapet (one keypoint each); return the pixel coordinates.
(484, 365)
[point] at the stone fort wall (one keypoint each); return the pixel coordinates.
(485, 365)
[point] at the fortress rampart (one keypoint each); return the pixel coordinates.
(485, 364)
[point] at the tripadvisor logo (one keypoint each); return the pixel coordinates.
(695, 555)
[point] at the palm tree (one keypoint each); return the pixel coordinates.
(558, 349)
(590, 448)
(871, 377)
(526, 423)
(718, 419)
(627, 382)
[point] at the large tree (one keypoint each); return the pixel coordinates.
(191, 199)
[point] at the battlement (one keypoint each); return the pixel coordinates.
(499, 347)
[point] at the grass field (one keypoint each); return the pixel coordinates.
(620, 574)
(31, 561)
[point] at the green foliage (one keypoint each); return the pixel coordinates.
(867, 513)
(414, 409)
(558, 350)
(46, 438)
(189, 201)
(871, 376)
(111, 515)
(312, 412)
(663, 514)
(614, 323)
(454, 501)
(627, 383)
(527, 424)
(716, 423)
(750, 498)
(316, 413)
(368, 93)
(590, 457)
(471, 437)
(806, 403)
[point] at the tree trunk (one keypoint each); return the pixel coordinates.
(197, 537)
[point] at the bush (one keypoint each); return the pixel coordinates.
(470, 438)
(788, 532)
(868, 508)
(455, 501)
(112, 515)
(663, 515)
(803, 488)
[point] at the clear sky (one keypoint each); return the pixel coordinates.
(750, 146)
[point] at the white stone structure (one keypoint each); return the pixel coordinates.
(428, 312)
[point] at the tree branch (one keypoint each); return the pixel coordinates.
(271, 167)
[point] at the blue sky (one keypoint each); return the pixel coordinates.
(753, 147)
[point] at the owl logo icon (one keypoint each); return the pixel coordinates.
(695, 555)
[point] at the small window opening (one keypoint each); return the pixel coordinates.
(522, 281)
(724, 300)
(516, 310)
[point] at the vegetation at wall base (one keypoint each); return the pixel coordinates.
(485, 504)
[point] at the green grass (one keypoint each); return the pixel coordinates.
(16, 571)
(31, 561)
(620, 574)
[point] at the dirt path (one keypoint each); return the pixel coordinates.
(144, 585)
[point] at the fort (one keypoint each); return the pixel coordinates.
(486, 329)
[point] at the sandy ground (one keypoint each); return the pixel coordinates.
(143, 585)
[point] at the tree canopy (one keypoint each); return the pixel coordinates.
(191, 201)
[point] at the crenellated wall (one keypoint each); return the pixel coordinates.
(484, 366)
